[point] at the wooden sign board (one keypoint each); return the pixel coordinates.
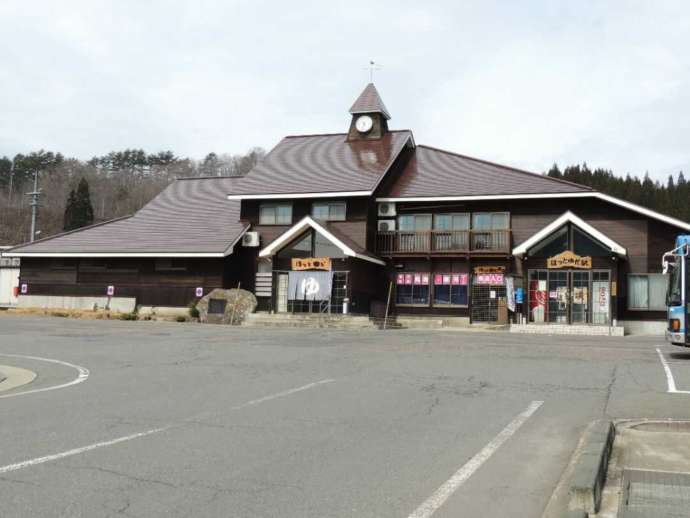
(478, 270)
(311, 263)
(569, 259)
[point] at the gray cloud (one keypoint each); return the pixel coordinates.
(524, 83)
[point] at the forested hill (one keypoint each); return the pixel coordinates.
(672, 199)
(78, 192)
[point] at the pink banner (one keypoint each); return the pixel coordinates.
(438, 279)
(408, 278)
(425, 279)
(400, 278)
(490, 278)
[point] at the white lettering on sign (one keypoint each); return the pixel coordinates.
(310, 286)
(490, 278)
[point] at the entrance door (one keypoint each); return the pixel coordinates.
(282, 293)
(570, 296)
(580, 297)
(558, 297)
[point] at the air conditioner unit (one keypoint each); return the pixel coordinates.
(387, 209)
(386, 225)
(250, 239)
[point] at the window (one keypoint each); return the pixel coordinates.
(324, 248)
(452, 222)
(451, 231)
(275, 214)
(412, 289)
(170, 265)
(484, 225)
(647, 291)
(332, 211)
(450, 289)
(490, 221)
(414, 222)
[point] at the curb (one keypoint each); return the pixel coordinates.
(589, 474)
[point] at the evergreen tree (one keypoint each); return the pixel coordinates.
(68, 222)
(79, 211)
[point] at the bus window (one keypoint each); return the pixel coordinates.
(673, 294)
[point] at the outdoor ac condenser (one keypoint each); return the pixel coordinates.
(386, 209)
(250, 239)
(386, 225)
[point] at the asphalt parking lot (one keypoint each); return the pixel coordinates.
(206, 421)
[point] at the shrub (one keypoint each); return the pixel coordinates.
(193, 311)
(129, 316)
(180, 318)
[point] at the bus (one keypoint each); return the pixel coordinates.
(675, 264)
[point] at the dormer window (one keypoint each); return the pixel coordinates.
(329, 211)
(275, 214)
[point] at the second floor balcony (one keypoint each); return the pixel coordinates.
(402, 242)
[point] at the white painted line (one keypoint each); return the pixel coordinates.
(435, 501)
(281, 394)
(82, 377)
(669, 375)
(84, 449)
(76, 451)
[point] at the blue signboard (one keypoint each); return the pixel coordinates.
(519, 295)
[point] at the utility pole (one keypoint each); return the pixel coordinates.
(35, 195)
(9, 199)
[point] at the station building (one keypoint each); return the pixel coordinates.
(368, 221)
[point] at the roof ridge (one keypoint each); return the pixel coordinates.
(517, 170)
(61, 234)
(209, 177)
(338, 134)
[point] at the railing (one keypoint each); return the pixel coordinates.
(443, 241)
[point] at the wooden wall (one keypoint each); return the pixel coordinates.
(132, 278)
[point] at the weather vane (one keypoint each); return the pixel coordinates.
(373, 66)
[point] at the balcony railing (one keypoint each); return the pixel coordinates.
(443, 242)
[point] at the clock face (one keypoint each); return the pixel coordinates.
(364, 123)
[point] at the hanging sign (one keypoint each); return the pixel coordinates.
(24, 288)
(310, 285)
(569, 259)
(489, 269)
(311, 263)
(110, 291)
(199, 291)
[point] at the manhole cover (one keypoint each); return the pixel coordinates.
(655, 494)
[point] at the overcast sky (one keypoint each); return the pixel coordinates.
(522, 83)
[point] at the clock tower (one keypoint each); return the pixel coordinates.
(369, 116)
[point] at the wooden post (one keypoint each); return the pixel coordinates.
(388, 303)
(234, 305)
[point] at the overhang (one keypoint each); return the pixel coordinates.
(569, 217)
(308, 222)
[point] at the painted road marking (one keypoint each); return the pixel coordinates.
(281, 394)
(103, 444)
(435, 501)
(82, 377)
(76, 451)
(669, 375)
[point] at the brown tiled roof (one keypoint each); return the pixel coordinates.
(324, 163)
(346, 239)
(434, 172)
(369, 101)
(189, 216)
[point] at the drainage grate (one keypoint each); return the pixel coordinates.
(655, 494)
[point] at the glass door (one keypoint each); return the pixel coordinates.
(580, 297)
(601, 297)
(559, 296)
